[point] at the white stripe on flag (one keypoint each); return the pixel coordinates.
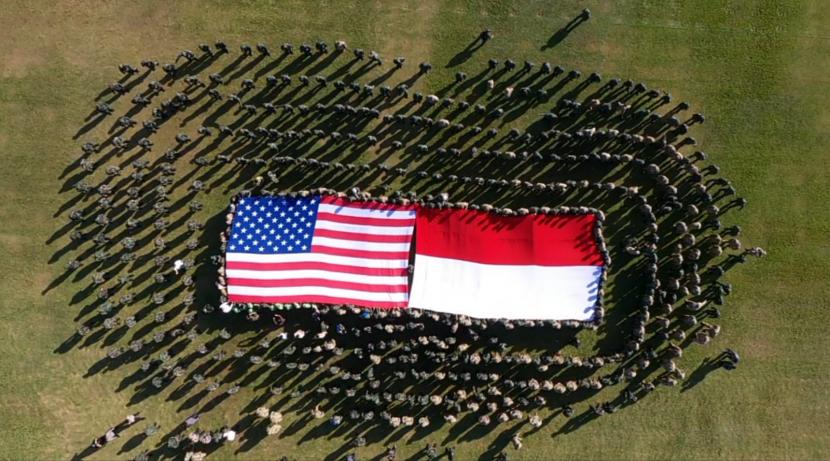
(504, 291)
(314, 290)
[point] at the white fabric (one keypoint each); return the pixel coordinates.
(226, 307)
(504, 291)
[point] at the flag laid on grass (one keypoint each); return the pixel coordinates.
(331, 250)
(319, 250)
(483, 265)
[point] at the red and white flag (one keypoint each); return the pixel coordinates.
(483, 265)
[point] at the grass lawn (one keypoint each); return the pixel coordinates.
(758, 70)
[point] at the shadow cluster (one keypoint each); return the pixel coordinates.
(510, 139)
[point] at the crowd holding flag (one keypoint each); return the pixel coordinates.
(331, 250)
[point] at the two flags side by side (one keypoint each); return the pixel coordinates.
(325, 249)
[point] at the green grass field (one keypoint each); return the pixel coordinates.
(758, 70)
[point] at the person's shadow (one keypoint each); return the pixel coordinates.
(707, 366)
(562, 33)
(134, 442)
(83, 454)
(462, 56)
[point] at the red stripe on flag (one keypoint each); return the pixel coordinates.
(315, 299)
(299, 266)
(362, 237)
(318, 282)
(322, 249)
(482, 237)
(361, 221)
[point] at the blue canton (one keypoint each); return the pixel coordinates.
(273, 225)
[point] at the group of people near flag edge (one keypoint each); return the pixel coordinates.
(464, 233)
(664, 294)
(314, 248)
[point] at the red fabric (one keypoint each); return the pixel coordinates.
(482, 237)
(365, 254)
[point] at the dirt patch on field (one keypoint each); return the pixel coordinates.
(17, 62)
(12, 243)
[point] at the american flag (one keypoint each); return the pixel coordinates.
(319, 249)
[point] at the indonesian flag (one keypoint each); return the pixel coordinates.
(522, 267)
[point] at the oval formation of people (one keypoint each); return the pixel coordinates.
(439, 230)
